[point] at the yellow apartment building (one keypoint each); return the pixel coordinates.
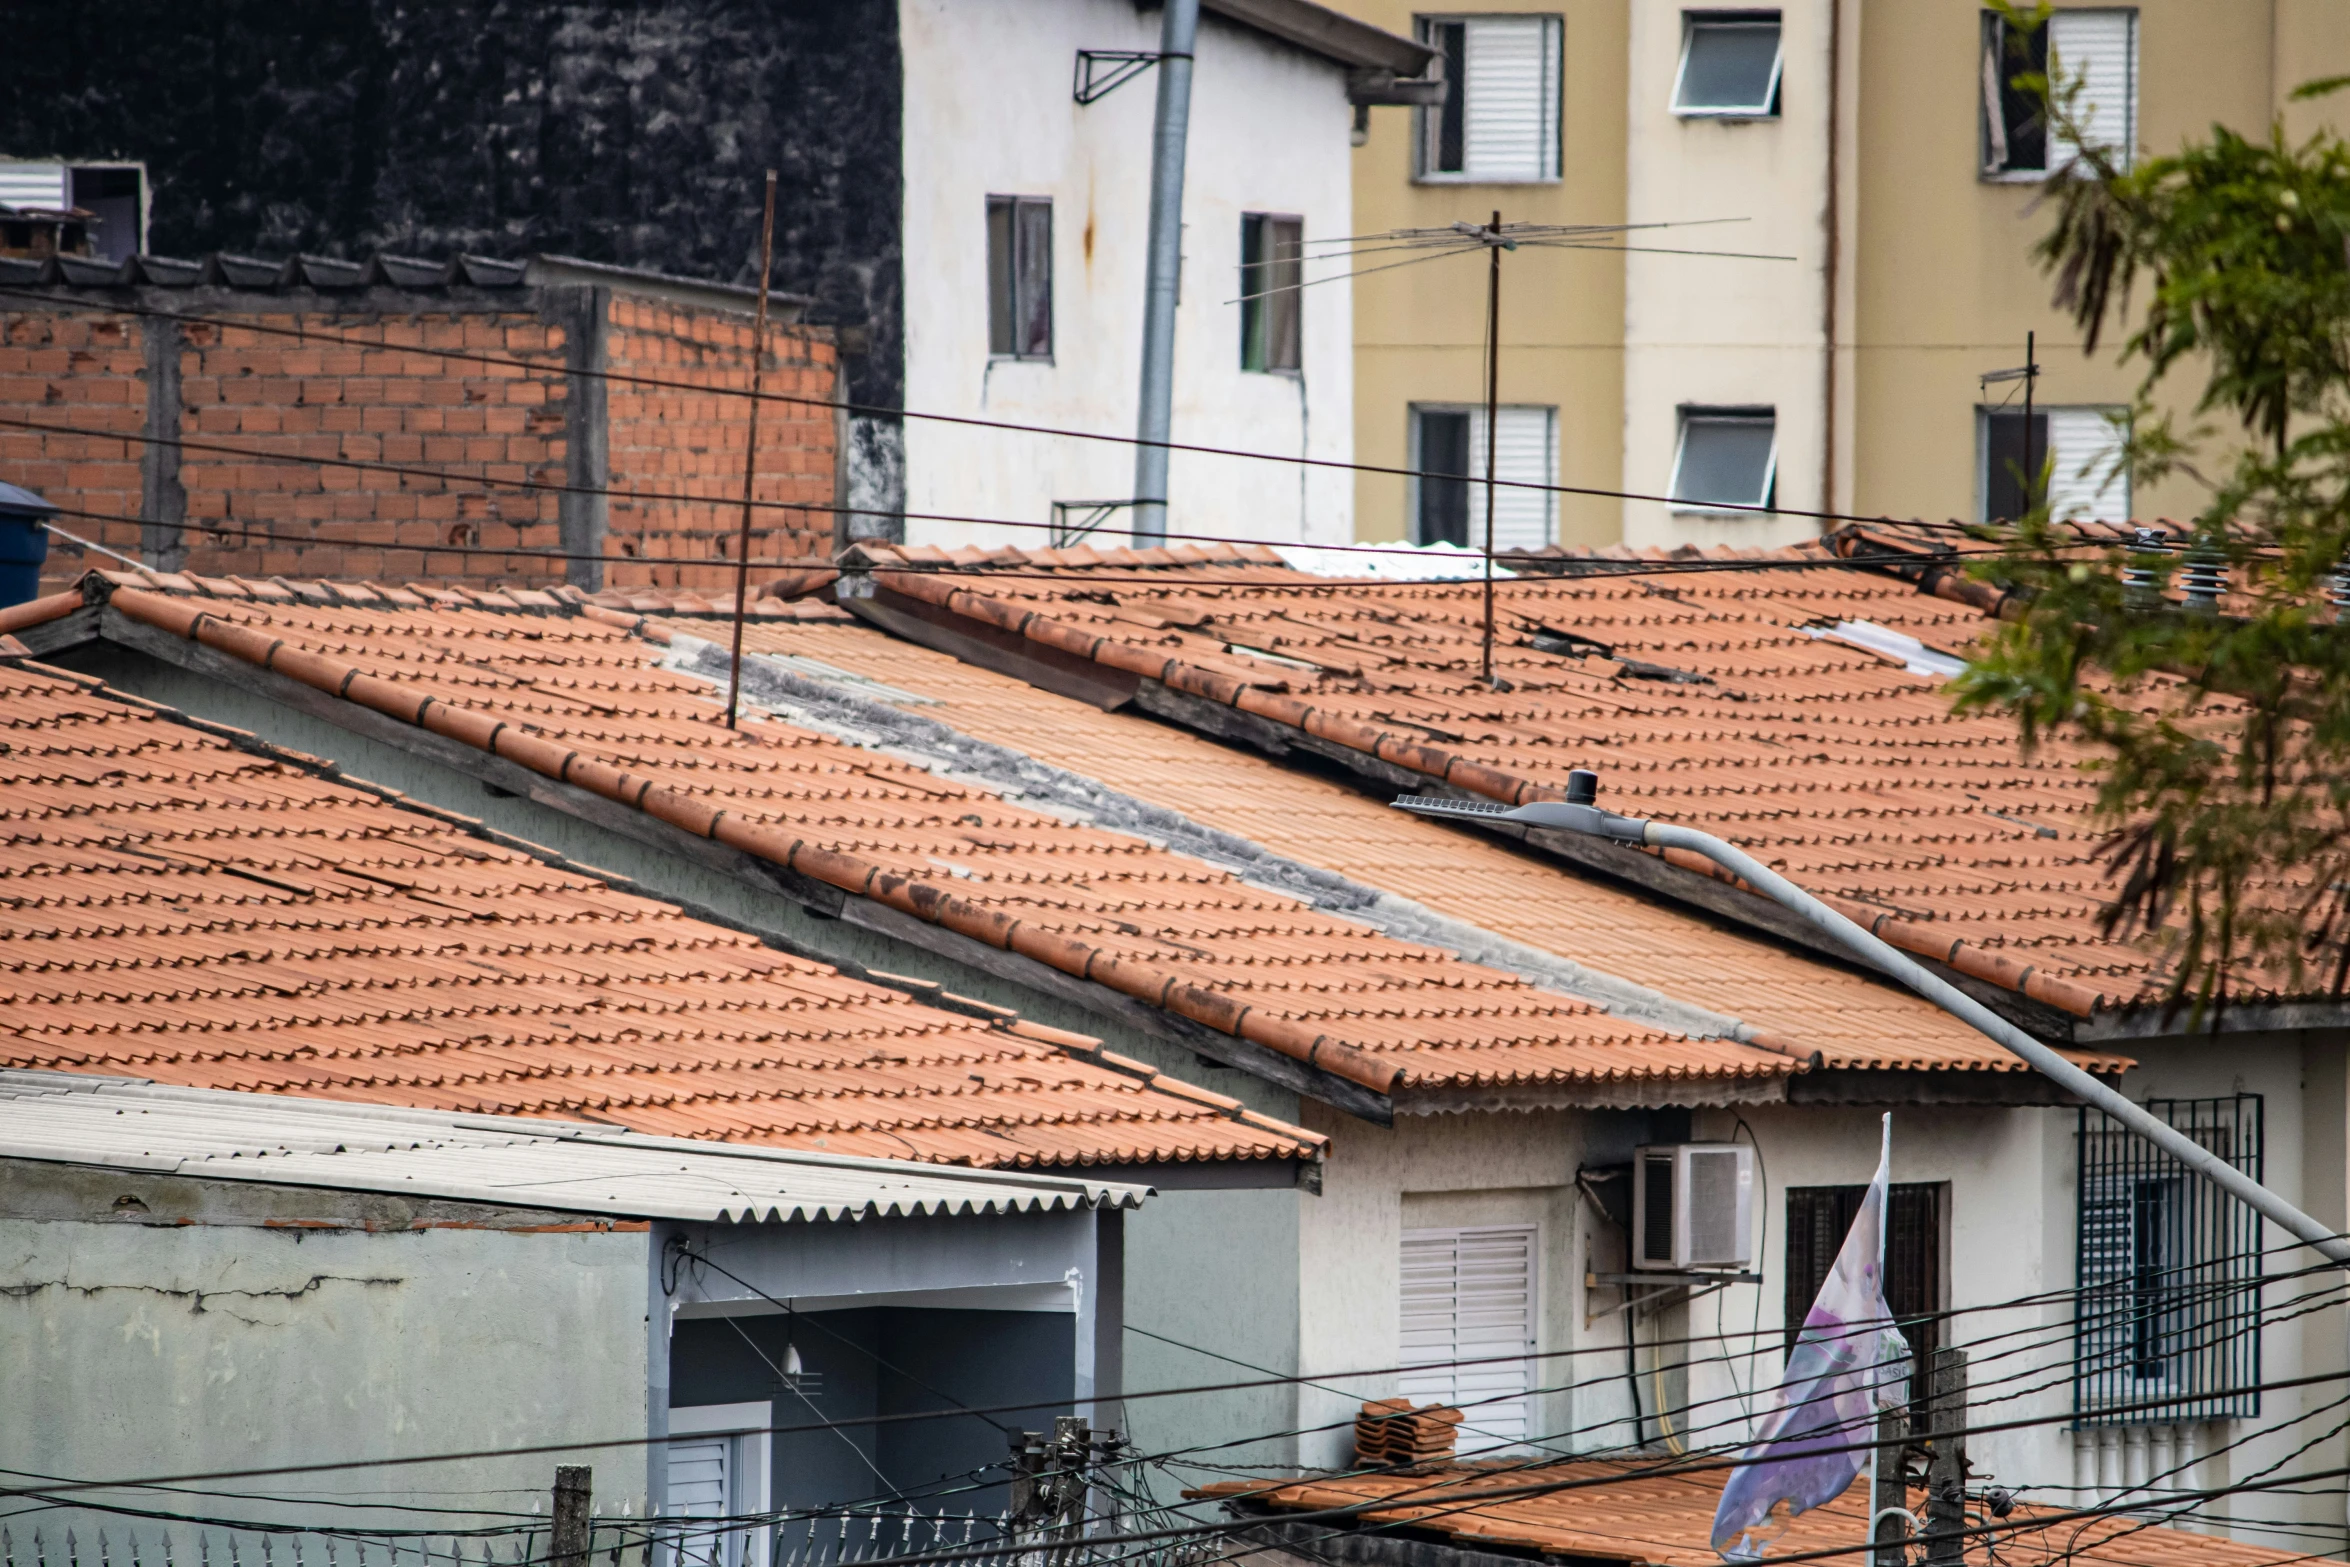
(1873, 182)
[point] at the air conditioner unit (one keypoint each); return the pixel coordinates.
(1693, 1206)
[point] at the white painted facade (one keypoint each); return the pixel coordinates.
(989, 111)
(2009, 1224)
(1712, 331)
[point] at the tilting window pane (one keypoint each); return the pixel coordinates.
(2015, 127)
(1726, 459)
(1035, 226)
(999, 275)
(1272, 270)
(1729, 66)
(1446, 125)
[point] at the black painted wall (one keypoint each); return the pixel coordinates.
(635, 134)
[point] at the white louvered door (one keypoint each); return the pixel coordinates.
(1468, 1295)
(1525, 451)
(2086, 479)
(1510, 128)
(698, 1489)
(2100, 47)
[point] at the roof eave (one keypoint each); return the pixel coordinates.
(1330, 34)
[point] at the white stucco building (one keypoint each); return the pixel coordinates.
(1026, 207)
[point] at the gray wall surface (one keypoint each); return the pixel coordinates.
(143, 1346)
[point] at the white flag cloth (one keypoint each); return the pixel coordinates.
(1849, 1361)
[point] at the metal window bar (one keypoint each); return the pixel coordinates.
(2169, 1270)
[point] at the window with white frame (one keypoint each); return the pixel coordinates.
(1730, 65)
(1448, 497)
(1499, 121)
(2095, 48)
(2082, 451)
(1272, 271)
(1020, 277)
(719, 1468)
(1470, 1295)
(1727, 458)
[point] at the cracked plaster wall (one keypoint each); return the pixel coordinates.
(130, 1348)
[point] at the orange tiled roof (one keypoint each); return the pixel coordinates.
(177, 907)
(566, 692)
(1613, 1511)
(1704, 698)
(1851, 1020)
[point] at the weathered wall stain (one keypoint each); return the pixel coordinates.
(195, 1298)
(628, 133)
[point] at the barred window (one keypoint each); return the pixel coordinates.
(2169, 1271)
(1818, 1218)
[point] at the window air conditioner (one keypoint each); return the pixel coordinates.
(1693, 1206)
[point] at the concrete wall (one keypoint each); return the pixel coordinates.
(268, 1333)
(1420, 331)
(994, 116)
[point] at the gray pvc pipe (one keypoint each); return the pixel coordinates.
(1155, 420)
(1877, 954)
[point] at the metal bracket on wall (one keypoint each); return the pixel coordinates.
(1074, 520)
(1101, 72)
(1658, 1290)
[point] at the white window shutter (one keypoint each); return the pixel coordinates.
(697, 1476)
(1525, 451)
(2101, 48)
(1469, 1295)
(32, 185)
(1512, 115)
(2087, 480)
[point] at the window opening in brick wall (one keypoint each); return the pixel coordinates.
(1469, 1295)
(1730, 65)
(2169, 1270)
(1272, 271)
(1499, 121)
(1020, 277)
(1818, 1218)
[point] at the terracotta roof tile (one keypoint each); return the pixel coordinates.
(175, 908)
(575, 697)
(1711, 699)
(1623, 1512)
(1852, 1020)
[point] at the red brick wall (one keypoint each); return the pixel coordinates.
(473, 424)
(666, 441)
(87, 372)
(476, 427)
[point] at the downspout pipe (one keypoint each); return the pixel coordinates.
(1576, 814)
(1171, 127)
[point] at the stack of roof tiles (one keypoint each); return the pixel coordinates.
(1391, 1432)
(569, 692)
(1728, 699)
(180, 905)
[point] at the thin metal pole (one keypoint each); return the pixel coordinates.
(1492, 418)
(2031, 468)
(1155, 419)
(1884, 1223)
(742, 555)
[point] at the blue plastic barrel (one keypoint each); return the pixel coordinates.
(24, 543)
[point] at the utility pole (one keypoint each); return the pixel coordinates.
(1946, 1417)
(1171, 126)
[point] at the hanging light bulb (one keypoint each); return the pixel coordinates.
(791, 1362)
